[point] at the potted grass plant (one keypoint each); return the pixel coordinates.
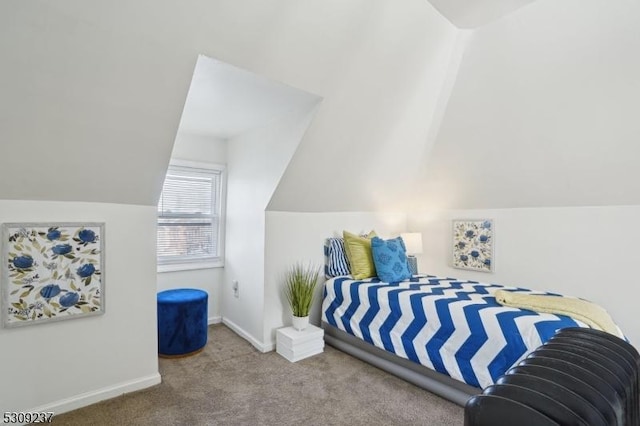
(299, 290)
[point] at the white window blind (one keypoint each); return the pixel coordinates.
(189, 216)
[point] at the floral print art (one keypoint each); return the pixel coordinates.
(52, 272)
(473, 244)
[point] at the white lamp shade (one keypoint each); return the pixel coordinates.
(413, 242)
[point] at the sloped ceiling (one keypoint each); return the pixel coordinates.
(542, 118)
(88, 110)
(541, 113)
(225, 101)
(372, 131)
(475, 13)
(92, 91)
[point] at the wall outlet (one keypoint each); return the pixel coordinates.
(234, 286)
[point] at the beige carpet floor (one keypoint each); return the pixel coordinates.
(231, 383)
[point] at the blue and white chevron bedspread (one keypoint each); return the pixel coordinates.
(455, 327)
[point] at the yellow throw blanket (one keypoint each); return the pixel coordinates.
(587, 312)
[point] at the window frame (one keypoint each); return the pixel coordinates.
(218, 261)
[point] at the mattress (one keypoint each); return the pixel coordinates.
(454, 327)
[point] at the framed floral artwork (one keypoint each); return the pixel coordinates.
(473, 244)
(51, 272)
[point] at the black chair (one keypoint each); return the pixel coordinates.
(587, 363)
(493, 410)
(586, 391)
(602, 361)
(614, 354)
(567, 397)
(602, 348)
(622, 344)
(540, 402)
(580, 376)
(613, 397)
(618, 345)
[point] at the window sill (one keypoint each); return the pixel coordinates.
(176, 267)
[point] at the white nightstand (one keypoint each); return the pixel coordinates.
(295, 345)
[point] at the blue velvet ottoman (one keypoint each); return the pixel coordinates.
(182, 322)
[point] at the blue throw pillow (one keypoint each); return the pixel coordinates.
(390, 258)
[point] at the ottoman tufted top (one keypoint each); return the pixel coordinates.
(181, 295)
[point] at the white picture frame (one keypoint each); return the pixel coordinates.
(472, 245)
(51, 272)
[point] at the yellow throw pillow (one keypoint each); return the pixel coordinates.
(358, 251)
(368, 236)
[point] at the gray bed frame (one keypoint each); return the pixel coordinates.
(421, 376)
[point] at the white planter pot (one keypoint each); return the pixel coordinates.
(300, 323)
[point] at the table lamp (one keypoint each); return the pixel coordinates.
(413, 244)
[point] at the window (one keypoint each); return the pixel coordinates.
(190, 219)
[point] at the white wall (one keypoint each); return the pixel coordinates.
(63, 365)
(589, 252)
(202, 149)
(543, 112)
(299, 237)
(256, 161)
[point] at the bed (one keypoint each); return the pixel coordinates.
(452, 327)
(446, 335)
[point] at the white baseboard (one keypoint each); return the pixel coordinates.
(88, 398)
(247, 336)
(214, 320)
(269, 347)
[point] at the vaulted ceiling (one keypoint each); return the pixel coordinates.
(475, 13)
(543, 112)
(536, 100)
(224, 101)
